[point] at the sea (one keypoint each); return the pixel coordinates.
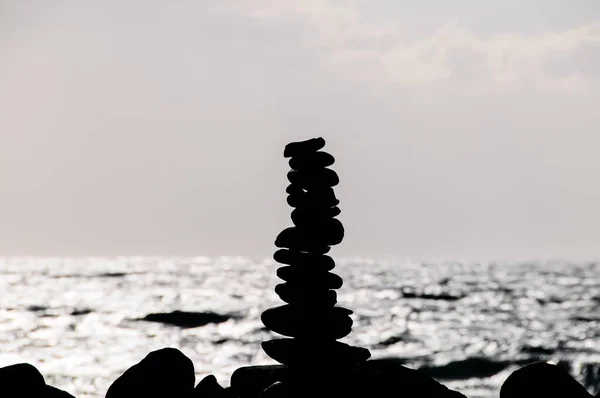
(80, 321)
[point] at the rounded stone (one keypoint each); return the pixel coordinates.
(294, 353)
(305, 296)
(308, 179)
(321, 232)
(300, 239)
(313, 199)
(542, 379)
(251, 381)
(302, 148)
(165, 372)
(288, 320)
(275, 390)
(315, 160)
(21, 380)
(294, 190)
(308, 216)
(310, 278)
(306, 260)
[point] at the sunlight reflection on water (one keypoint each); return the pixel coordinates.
(75, 319)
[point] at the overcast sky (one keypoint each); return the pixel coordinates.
(462, 129)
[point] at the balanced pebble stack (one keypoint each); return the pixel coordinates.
(310, 319)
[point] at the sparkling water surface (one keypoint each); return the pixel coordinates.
(77, 319)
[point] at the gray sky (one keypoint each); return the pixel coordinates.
(462, 129)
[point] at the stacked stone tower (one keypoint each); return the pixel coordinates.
(310, 319)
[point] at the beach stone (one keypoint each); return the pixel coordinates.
(305, 296)
(314, 160)
(387, 377)
(325, 231)
(316, 280)
(313, 179)
(330, 231)
(275, 390)
(24, 380)
(302, 148)
(305, 238)
(313, 198)
(251, 381)
(314, 355)
(295, 190)
(298, 239)
(542, 379)
(53, 392)
(209, 387)
(165, 372)
(306, 260)
(311, 216)
(294, 321)
(21, 380)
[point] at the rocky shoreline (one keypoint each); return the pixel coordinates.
(311, 359)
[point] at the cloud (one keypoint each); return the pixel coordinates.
(376, 50)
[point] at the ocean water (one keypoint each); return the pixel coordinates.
(469, 325)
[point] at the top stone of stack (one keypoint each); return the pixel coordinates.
(302, 148)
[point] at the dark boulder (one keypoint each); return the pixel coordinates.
(474, 367)
(21, 380)
(542, 379)
(166, 372)
(24, 380)
(53, 392)
(251, 381)
(389, 378)
(209, 387)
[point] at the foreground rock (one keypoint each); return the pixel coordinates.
(162, 373)
(210, 388)
(542, 380)
(24, 380)
(380, 378)
(251, 381)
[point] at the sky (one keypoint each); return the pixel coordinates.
(461, 129)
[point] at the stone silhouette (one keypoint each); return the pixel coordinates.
(24, 380)
(310, 318)
(542, 380)
(165, 372)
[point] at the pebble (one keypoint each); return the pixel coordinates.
(302, 148)
(293, 294)
(303, 216)
(315, 160)
(301, 240)
(294, 352)
(309, 179)
(288, 320)
(313, 198)
(306, 260)
(314, 280)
